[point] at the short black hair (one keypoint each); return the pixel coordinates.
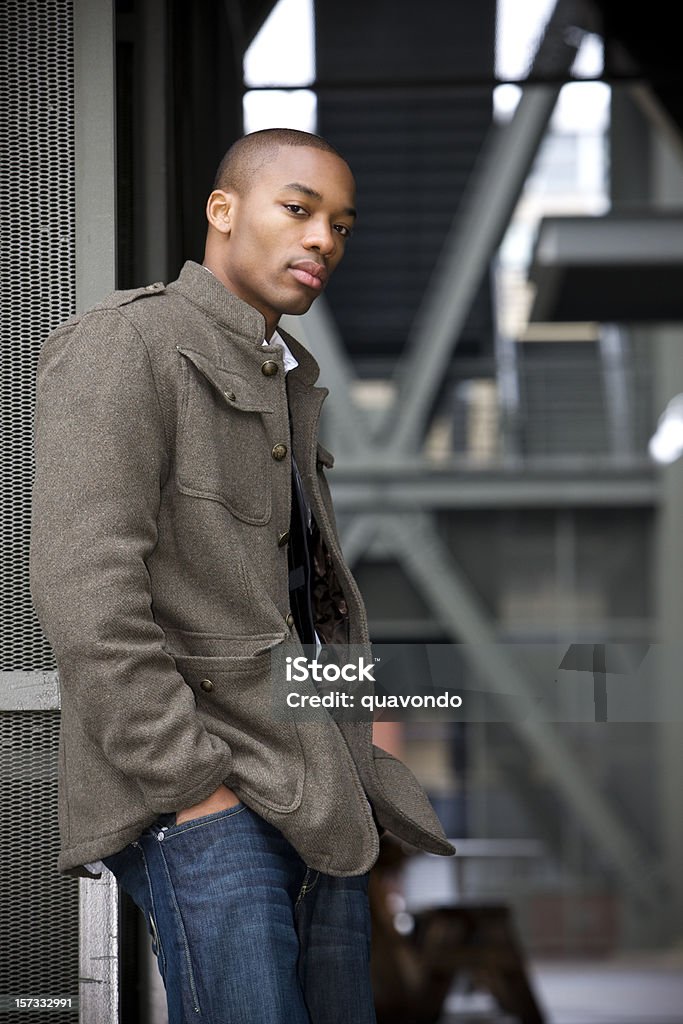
(248, 154)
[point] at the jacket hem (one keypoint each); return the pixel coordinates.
(73, 859)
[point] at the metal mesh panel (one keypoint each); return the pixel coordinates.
(38, 907)
(37, 224)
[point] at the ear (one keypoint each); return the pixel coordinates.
(219, 207)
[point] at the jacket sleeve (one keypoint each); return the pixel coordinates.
(101, 459)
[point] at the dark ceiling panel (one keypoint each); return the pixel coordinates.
(401, 40)
(412, 151)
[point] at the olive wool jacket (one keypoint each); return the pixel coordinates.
(159, 574)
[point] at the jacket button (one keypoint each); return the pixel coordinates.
(206, 685)
(283, 538)
(279, 451)
(269, 368)
(230, 395)
(290, 620)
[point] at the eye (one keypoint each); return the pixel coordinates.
(343, 229)
(295, 208)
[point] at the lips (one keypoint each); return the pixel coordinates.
(310, 273)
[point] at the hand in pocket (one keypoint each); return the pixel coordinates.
(220, 800)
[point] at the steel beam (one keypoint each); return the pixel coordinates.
(649, 104)
(95, 154)
(372, 488)
(357, 537)
(99, 950)
(95, 173)
(152, 212)
(29, 691)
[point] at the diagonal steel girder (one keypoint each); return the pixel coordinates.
(358, 536)
(487, 207)
(430, 565)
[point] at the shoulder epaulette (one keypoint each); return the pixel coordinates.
(124, 296)
(114, 300)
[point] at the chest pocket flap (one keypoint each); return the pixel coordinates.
(223, 452)
(232, 387)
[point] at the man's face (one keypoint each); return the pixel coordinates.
(288, 231)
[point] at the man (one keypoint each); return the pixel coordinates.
(183, 531)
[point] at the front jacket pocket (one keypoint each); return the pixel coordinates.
(222, 450)
(234, 700)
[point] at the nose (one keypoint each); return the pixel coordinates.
(320, 236)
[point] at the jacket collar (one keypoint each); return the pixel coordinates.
(202, 289)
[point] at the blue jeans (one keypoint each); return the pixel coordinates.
(243, 931)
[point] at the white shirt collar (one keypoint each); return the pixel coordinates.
(289, 360)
